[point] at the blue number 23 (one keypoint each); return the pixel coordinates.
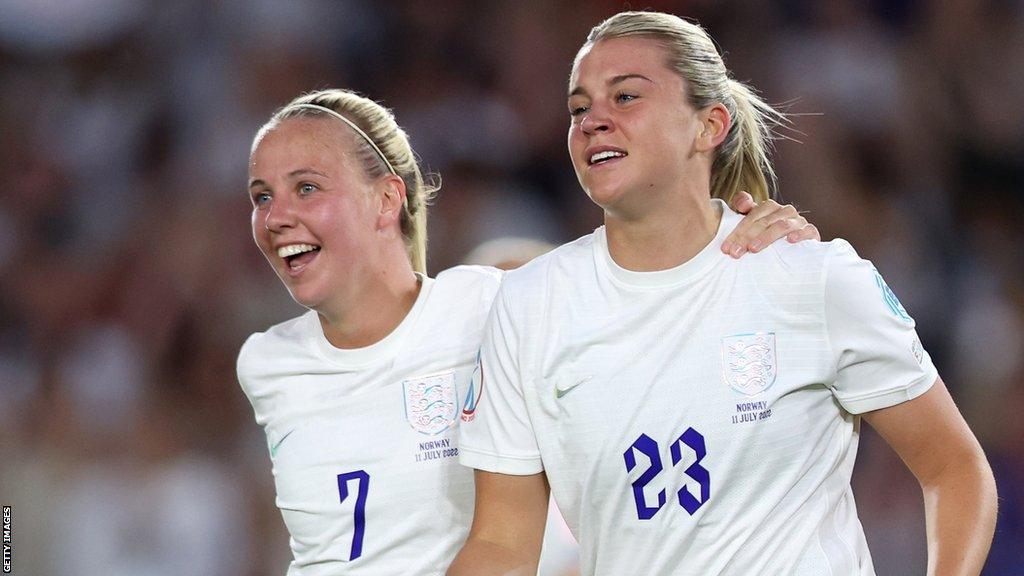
(649, 448)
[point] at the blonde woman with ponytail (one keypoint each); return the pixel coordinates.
(361, 396)
(690, 413)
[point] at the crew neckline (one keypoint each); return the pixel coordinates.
(383, 349)
(676, 275)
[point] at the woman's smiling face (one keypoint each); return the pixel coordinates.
(632, 127)
(313, 216)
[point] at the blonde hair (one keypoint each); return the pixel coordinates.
(742, 161)
(383, 148)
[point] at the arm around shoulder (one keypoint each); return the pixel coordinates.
(936, 444)
(508, 526)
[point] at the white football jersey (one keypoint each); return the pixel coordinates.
(700, 420)
(364, 442)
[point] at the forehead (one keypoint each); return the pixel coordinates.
(319, 141)
(619, 56)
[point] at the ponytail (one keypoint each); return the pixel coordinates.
(414, 222)
(743, 161)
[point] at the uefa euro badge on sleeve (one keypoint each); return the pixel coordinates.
(474, 392)
(749, 362)
(430, 402)
(891, 300)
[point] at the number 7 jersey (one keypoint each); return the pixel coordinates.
(363, 442)
(701, 420)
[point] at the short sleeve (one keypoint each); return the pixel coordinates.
(495, 434)
(879, 358)
(244, 365)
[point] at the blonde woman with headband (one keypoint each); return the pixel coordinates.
(694, 414)
(360, 397)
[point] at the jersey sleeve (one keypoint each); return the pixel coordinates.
(496, 434)
(244, 365)
(879, 358)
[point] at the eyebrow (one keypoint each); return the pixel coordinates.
(613, 81)
(292, 174)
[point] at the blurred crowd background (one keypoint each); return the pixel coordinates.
(128, 277)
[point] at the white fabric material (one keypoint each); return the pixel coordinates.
(614, 382)
(381, 419)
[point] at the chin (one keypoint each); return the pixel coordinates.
(304, 302)
(605, 196)
(306, 296)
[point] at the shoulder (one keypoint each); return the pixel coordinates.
(806, 262)
(833, 260)
(836, 272)
(478, 277)
(853, 282)
(262, 348)
(801, 276)
(566, 260)
(812, 253)
(463, 285)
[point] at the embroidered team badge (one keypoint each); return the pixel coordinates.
(430, 402)
(749, 362)
(476, 390)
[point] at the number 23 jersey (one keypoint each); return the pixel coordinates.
(700, 420)
(363, 442)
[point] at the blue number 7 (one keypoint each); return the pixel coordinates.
(360, 514)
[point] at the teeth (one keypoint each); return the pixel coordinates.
(605, 155)
(293, 249)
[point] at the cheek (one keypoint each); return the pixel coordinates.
(260, 234)
(343, 226)
(259, 230)
(576, 144)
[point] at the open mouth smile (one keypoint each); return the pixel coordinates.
(604, 155)
(297, 256)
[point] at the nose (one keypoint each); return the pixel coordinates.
(595, 121)
(280, 215)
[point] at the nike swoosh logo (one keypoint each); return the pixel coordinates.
(559, 392)
(273, 449)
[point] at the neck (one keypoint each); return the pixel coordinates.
(663, 238)
(383, 300)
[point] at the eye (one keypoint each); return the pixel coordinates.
(306, 188)
(577, 110)
(260, 198)
(625, 97)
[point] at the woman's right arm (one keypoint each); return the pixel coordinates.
(497, 440)
(508, 526)
(960, 501)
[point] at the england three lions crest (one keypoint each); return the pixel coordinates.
(430, 402)
(749, 362)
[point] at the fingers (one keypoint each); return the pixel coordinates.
(777, 229)
(808, 232)
(738, 241)
(743, 202)
(766, 223)
(754, 224)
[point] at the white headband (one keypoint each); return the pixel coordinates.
(351, 125)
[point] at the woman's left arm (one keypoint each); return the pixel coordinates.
(936, 444)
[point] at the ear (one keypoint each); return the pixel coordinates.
(715, 122)
(391, 194)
